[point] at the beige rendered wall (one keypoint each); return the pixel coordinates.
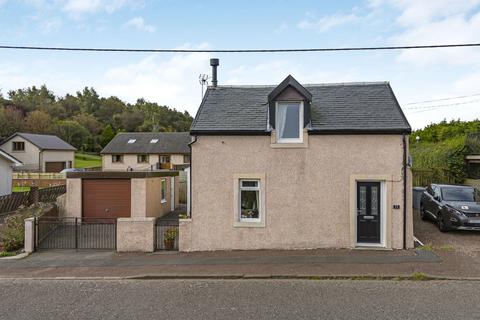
(135, 234)
(57, 156)
(130, 160)
(307, 196)
(29, 157)
(73, 198)
(147, 199)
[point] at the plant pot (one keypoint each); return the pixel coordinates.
(169, 244)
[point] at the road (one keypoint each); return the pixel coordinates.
(238, 299)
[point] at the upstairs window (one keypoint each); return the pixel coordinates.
(117, 158)
(142, 158)
(289, 120)
(18, 146)
(164, 159)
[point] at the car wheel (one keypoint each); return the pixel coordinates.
(441, 223)
(423, 214)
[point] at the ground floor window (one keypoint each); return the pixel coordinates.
(116, 158)
(249, 195)
(164, 190)
(142, 158)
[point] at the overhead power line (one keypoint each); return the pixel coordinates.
(444, 99)
(434, 46)
(434, 107)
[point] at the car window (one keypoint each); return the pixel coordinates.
(466, 194)
(436, 192)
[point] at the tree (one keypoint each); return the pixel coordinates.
(33, 98)
(11, 121)
(107, 135)
(73, 133)
(130, 120)
(38, 122)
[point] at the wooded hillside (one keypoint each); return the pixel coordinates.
(85, 120)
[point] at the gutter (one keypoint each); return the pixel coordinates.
(404, 191)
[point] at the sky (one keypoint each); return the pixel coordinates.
(172, 79)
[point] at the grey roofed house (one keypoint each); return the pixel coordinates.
(333, 108)
(44, 141)
(167, 143)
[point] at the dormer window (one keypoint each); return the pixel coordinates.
(289, 122)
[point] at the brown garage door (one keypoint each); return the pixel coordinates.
(106, 198)
(54, 166)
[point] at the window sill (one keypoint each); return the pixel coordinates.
(280, 145)
(244, 224)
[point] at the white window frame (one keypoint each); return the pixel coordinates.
(249, 223)
(300, 125)
(163, 195)
(242, 188)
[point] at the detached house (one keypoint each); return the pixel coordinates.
(40, 152)
(294, 166)
(147, 151)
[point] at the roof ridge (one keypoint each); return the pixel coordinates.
(325, 84)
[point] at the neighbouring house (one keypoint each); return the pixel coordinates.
(40, 152)
(7, 162)
(295, 166)
(147, 151)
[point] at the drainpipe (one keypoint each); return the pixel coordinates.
(191, 175)
(404, 191)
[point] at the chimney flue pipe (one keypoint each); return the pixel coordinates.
(214, 62)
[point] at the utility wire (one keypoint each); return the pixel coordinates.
(432, 108)
(242, 50)
(451, 98)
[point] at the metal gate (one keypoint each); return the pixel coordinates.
(166, 231)
(75, 233)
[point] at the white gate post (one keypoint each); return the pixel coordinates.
(29, 243)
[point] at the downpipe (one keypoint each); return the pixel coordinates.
(404, 191)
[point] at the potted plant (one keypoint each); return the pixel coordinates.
(169, 238)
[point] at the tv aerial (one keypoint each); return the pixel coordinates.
(203, 80)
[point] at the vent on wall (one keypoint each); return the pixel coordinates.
(132, 141)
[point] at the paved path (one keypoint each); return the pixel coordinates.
(238, 299)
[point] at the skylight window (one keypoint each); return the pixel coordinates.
(154, 141)
(132, 141)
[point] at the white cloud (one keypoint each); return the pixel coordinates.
(326, 23)
(79, 8)
(139, 24)
(435, 22)
(172, 81)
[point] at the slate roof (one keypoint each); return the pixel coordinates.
(347, 107)
(168, 143)
(44, 141)
(10, 158)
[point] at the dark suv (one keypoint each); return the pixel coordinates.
(452, 207)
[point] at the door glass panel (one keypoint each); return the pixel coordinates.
(374, 200)
(363, 201)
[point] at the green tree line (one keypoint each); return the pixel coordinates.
(442, 147)
(85, 120)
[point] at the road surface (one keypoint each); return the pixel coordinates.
(238, 299)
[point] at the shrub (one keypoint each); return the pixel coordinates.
(13, 233)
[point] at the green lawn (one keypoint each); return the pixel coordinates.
(83, 160)
(20, 189)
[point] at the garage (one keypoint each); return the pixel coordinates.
(106, 198)
(54, 166)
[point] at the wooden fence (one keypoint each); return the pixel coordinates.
(422, 178)
(13, 201)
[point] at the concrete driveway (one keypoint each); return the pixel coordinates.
(466, 242)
